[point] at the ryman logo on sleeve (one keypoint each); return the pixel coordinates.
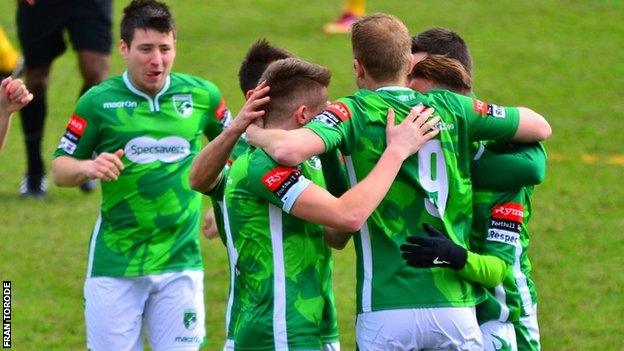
(506, 223)
(485, 109)
(144, 150)
(280, 180)
(334, 114)
(75, 129)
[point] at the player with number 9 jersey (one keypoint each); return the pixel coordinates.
(433, 187)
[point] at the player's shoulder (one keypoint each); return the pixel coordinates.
(108, 90)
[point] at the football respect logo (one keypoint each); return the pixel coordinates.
(145, 149)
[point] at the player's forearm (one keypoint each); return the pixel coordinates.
(486, 270)
(361, 200)
(208, 164)
(68, 171)
(5, 124)
(532, 127)
(286, 147)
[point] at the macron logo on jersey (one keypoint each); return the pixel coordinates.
(120, 104)
(144, 150)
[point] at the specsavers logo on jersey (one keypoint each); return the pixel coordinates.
(334, 114)
(506, 223)
(146, 149)
(75, 128)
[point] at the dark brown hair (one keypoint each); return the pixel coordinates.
(258, 58)
(443, 71)
(146, 14)
(441, 41)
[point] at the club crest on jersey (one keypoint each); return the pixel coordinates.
(183, 104)
(280, 180)
(314, 162)
(190, 319)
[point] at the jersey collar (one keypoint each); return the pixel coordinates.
(153, 102)
(393, 88)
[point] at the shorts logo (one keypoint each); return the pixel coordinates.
(281, 179)
(75, 128)
(144, 150)
(183, 104)
(510, 211)
(190, 319)
(334, 114)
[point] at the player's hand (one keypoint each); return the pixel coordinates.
(106, 166)
(209, 229)
(251, 111)
(434, 251)
(415, 130)
(13, 95)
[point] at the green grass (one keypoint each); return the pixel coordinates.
(562, 58)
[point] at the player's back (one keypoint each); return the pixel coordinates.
(281, 259)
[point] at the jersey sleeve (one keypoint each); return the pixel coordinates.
(486, 270)
(508, 166)
(486, 121)
(80, 136)
(334, 125)
(503, 230)
(218, 112)
(279, 185)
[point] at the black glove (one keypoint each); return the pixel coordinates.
(436, 251)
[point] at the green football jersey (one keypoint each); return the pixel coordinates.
(149, 217)
(283, 265)
(432, 186)
(500, 225)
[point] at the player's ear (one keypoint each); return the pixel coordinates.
(300, 115)
(358, 68)
(123, 48)
(248, 94)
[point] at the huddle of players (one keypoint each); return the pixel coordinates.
(278, 221)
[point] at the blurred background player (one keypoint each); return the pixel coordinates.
(353, 10)
(13, 96)
(41, 25)
(145, 269)
(10, 62)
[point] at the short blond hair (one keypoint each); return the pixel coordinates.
(382, 44)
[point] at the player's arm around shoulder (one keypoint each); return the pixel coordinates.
(286, 147)
(349, 212)
(532, 127)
